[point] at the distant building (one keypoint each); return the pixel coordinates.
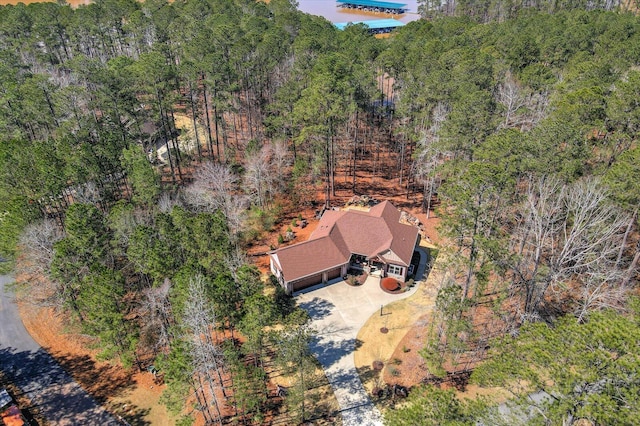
(373, 240)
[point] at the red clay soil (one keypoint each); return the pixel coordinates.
(386, 190)
(409, 368)
(101, 379)
(375, 179)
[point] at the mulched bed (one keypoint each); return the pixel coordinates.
(356, 277)
(401, 289)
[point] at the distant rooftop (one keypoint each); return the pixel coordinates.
(374, 24)
(374, 3)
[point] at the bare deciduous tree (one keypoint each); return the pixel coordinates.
(234, 260)
(542, 208)
(430, 156)
(36, 244)
(258, 177)
(522, 109)
(280, 165)
(215, 187)
(87, 193)
(600, 290)
(157, 311)
(510, 96)
(199, 320)
(571, 235)
(168, 201)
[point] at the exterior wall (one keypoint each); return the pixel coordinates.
(401, 276)
(274, 270)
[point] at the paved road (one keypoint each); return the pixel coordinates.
(338, 312)
(58, 397)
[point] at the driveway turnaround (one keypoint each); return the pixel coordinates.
(338, 312)
(51, 390)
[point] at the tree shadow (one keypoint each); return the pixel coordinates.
(427, 259)
(330, 352)
(51, 389)
(102, 381)
(356, 403)
(368, 374)
(348, 379)
(317, 308)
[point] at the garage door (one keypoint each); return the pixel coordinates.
(307, 282)
(334, 273)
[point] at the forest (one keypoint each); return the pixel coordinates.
(144, 146)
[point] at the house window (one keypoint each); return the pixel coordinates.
(395, 270)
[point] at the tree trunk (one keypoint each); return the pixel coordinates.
(206, 111)
(626, 235)
(634, 264)
(355, 154)
(194, 120)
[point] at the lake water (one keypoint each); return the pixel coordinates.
(330, 10)
(326, 8)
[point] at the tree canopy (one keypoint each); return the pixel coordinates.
(152, 142)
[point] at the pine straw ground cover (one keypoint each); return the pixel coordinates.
(407, 323)
(132, 395)
(398, 318)
(321, 406)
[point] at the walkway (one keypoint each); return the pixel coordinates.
(51, 390)
(339, 311)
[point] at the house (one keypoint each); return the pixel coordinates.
(372, 240)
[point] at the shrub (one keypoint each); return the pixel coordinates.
(377, 392)
(352, 280)
(280, 239)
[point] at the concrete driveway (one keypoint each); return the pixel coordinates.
(58, 397)
(338, 311)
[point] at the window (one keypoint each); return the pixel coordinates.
(395, 270)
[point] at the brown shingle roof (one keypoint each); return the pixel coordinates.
(341, 233)
(310, 257)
